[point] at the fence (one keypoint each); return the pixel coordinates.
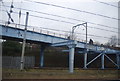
(14, 62)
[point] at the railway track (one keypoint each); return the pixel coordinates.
(56, 80)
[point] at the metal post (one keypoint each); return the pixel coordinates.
(111, 60)
(85, 60)
(94, 59)
(102, 61)
(118, 60)
(86, 35)
(42, 56)
(71, 59)
(119, 24)
(85, 55)
(24, 41)
(71, 53)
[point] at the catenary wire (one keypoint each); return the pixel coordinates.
(96, 14)
(67, 18)
(106, 3)
(64, 21)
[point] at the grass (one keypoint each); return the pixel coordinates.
(59, 74)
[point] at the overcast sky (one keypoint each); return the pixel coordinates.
(93, 6)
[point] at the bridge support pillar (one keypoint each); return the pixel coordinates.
(71, 57)
(118, 60)
(42, 55)
(102, 61)
(85, 60)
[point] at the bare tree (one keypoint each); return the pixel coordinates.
(97, 43)
(112, 41)
(68, 35)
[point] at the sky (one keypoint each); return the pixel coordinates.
(39, 20)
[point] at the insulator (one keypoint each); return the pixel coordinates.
(12, 20)
(19, 13)
(8, 22)
(12, 6)
(9, 15)
(11, 11)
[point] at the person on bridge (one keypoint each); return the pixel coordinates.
(90, 41)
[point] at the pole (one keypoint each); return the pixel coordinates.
(119, 25)
(24, 41)
(73, 28)
(85, 55)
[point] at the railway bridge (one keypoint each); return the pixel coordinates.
(15, 33)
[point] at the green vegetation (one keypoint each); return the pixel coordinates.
(11, 48)
(14, 48)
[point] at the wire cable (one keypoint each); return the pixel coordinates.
(106, 3)
(64, 21)
(67, 18)
(96, 14)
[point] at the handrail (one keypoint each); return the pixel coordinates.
(41, 30)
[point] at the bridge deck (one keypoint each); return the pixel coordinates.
(16, 33)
